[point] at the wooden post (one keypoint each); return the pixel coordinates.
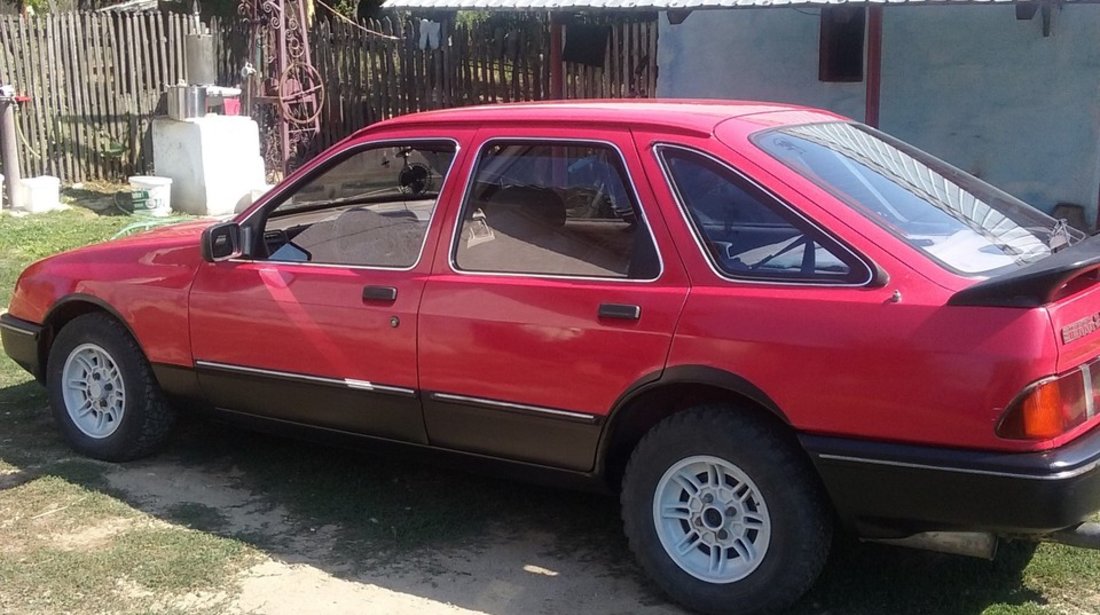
(557, 81)
(874, 64)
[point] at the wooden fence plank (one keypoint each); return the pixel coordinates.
(88, 71)
(72, 89)
(111, 86)
(64, 134)
(15, 69)
(87, 115)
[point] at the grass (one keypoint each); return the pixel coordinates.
(67, 544)
(73, 538)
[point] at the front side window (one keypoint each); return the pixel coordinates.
(749, 234)
(371, 208)
(553, 209)
(956, 219)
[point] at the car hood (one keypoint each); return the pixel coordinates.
(163, 258)
(180, 242)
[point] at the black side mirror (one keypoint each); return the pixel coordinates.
(221, 242)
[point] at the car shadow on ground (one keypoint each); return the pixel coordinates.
(454, 538)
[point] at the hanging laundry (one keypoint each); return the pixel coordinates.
(429, 34)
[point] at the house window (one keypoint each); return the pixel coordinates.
(841, 52)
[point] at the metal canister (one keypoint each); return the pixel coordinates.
(186, 101)
(198, 52)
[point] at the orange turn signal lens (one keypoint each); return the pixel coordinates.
(1049, 409)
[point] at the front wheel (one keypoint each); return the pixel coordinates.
(724, 513)
(104, 396)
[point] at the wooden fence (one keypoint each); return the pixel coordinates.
(97, 79)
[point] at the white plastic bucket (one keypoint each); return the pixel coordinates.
(41, 193)
(151, 195)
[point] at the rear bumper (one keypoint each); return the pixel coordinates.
(20, 339)
(889, 490)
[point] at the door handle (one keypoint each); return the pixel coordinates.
(620, 311)
(380, 293)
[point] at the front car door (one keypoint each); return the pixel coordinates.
(318, 325)
(556, 291)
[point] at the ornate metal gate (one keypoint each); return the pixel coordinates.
(280, 80)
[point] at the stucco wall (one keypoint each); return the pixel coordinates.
(970, 84)
(758, 54)
(990, 94)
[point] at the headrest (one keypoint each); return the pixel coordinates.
(536, 204)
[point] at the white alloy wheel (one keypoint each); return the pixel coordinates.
(711, 519)
(93, 391)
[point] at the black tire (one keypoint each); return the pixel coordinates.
(146, 418)
(800, 517)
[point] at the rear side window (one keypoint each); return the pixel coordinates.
(564, 209)
(748, 233)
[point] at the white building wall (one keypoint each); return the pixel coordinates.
(990, 94)
(970, 84)
(758, 54)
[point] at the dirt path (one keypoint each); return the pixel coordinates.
(494, 571)
(501, 578)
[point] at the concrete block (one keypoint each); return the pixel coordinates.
(214, 161)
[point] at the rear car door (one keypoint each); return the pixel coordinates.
(319, 325)
(556, 291)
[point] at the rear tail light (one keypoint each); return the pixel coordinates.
(1052, 407)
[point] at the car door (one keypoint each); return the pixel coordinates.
(318, 326)
(556, 291)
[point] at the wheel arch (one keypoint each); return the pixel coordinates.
(64, 311)
(675, 389)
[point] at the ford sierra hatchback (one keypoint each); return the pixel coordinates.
(754, 322)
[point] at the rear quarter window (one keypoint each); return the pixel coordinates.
(748, 233)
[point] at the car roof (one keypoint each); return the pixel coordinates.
(695, 116)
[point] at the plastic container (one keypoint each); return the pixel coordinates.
(41, 193)
(151, 195)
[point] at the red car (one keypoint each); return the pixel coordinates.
(751, 320)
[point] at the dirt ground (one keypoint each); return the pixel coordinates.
(521, 570)
(291, 527)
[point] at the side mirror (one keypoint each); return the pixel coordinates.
(221, 242)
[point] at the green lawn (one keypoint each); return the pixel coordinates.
(73, 540)
(66, 543)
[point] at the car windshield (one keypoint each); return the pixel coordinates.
(955, 218)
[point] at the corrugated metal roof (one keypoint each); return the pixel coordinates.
(130, 6)
(647, 5)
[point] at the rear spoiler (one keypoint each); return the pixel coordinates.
(1035, 284)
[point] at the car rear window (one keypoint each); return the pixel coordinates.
(961, 222)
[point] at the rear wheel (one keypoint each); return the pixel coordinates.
(104, 396)
(724, 513)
